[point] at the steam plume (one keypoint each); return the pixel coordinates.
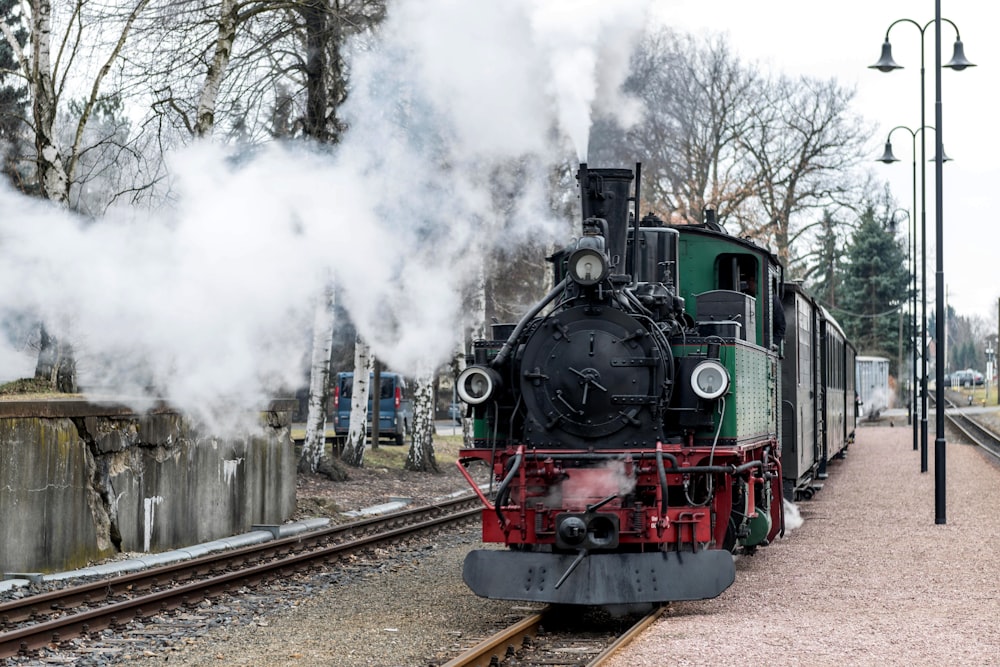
(208, 302)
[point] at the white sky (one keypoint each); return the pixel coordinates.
(841, 40)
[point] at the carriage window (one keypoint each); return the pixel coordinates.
(805, 344)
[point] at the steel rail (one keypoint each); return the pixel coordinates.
(628, 637)
(498, 648)
(978, 433)
(493, 650)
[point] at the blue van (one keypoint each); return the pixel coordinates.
(395, 407)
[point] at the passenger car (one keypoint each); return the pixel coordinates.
(965, 378)
(395, 417)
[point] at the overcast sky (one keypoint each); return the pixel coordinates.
(841, 40)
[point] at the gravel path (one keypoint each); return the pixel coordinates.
(869, 579)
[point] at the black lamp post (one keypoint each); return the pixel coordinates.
(888, 158)
(958, 62)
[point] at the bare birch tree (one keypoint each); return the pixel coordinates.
(50, 73)
(357, 434)
(314, 446)
(325, 27)
(229, 21)
(290, 51)
(254, 69)
(421, 455)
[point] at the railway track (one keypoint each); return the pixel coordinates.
(980, 435)
(56, 616)
(555, 636)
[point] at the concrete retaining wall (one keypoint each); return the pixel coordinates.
(80, 482)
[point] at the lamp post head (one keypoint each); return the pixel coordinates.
(958, 60)
(944, 156)
(887, 156)
(886, 63)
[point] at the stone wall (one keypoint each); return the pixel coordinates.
(80, 482)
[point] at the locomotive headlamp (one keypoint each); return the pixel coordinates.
(588, 266)
(710, 379)
(476, 384)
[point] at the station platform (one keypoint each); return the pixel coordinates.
(870, 578)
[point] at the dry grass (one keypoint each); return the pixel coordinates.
(31, 389)
(389, 456)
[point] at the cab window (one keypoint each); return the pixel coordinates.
(738, 272)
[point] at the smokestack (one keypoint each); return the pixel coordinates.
(604, 193)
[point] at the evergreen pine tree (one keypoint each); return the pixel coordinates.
(825, 276)
(875, 287)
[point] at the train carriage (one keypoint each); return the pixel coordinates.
(818, 408)
(839, 398)
(801, 384)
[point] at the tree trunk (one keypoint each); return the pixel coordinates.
(314, 447)
(205, 115)
(421, 456)
(56, 364)
(357, 435)
(51, 170)
(376, 392)
(316, 16)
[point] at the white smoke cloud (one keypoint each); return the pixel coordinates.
(210, 301)
(793, 518)
(589, 44)
(876, 401)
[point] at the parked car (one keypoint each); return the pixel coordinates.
(965, 378)
(395, 411)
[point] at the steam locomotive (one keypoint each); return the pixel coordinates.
(631, 420)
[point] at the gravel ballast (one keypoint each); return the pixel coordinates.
(869, 578)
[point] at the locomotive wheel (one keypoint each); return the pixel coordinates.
(729, 542)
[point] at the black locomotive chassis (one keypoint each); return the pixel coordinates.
(599, 579)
